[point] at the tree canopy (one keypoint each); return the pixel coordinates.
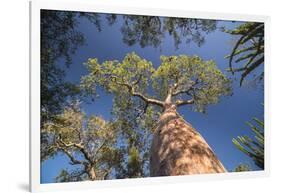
(119, 148)
(59, 38)
(139, 90)
(189, 79)
(88, 142)
(151, 30)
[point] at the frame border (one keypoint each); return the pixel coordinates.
(34, 93)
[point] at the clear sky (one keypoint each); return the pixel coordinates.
(218, 126)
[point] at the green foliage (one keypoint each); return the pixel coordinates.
(242, 168)
(254, 148)
(188, 29)
(129, 112)
(151, 30)
(63, 176)
(134, 163)
(201, 80)
(138, 87)
(136, 122)
(112, 74)
(59, 40)
(145, 30)
(249, 48)
(88, 142)
(189, 76)
(140, 92)
(71, 176)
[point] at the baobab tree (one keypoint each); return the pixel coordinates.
(176, 148)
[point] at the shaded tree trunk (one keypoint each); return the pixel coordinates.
(92, 173)
(178, 149)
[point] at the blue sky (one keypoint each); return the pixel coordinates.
(218, 126)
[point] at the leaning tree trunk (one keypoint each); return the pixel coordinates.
(91, 172)
(178, 149)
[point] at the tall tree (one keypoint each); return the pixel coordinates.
(88, 142)
(248, 49)
(254, 148)
(177, 148)
(60, 38)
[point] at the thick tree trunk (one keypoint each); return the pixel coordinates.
(178, 149)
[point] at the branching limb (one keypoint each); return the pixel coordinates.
(79, 146)
(184, 91)
(73, 160)
(98, 149)
(146, 99)
(137, 94)
(181, 92)
(184, 102)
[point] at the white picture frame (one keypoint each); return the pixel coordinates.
(35, 7)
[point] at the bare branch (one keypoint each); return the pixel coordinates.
(146, 99)
(182, 92)
(185, 91)
(69, 155)
(80, 147)
(140, 95)
(184, 102)
(72, 159)
(98, 149)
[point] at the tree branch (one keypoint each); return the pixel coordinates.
(78, 175)
(98, 149)
(186, 91)
(69, 155)
(137, 94)
(72, 159)
(78, 146)
(146, 99)
(138, 80)
(181, 92)
(106, 173)
(184, 102)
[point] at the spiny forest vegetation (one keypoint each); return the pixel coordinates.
(147, 135)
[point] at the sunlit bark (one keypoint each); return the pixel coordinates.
(178, 149)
